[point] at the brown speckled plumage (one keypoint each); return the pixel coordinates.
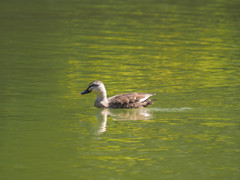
(129, 100)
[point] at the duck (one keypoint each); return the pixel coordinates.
(120, 101)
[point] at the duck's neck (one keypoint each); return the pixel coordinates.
(102, 98)
(102, 95)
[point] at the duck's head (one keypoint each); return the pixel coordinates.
(95, 86)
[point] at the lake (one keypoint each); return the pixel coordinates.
(187, 52)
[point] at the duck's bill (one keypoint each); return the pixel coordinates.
(85, 92)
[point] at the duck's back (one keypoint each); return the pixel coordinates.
(130, 100)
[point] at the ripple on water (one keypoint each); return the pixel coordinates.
(172, 109)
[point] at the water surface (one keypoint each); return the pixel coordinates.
(186, 52)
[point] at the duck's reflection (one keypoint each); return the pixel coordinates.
(120, 115)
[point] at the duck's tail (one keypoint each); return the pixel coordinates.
(148, 102)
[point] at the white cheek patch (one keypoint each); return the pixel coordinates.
(90, 89)
(93, 90)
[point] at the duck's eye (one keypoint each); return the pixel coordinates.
(92, 86)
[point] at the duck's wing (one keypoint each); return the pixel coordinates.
(130, 100)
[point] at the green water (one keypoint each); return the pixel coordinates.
(187, 52)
